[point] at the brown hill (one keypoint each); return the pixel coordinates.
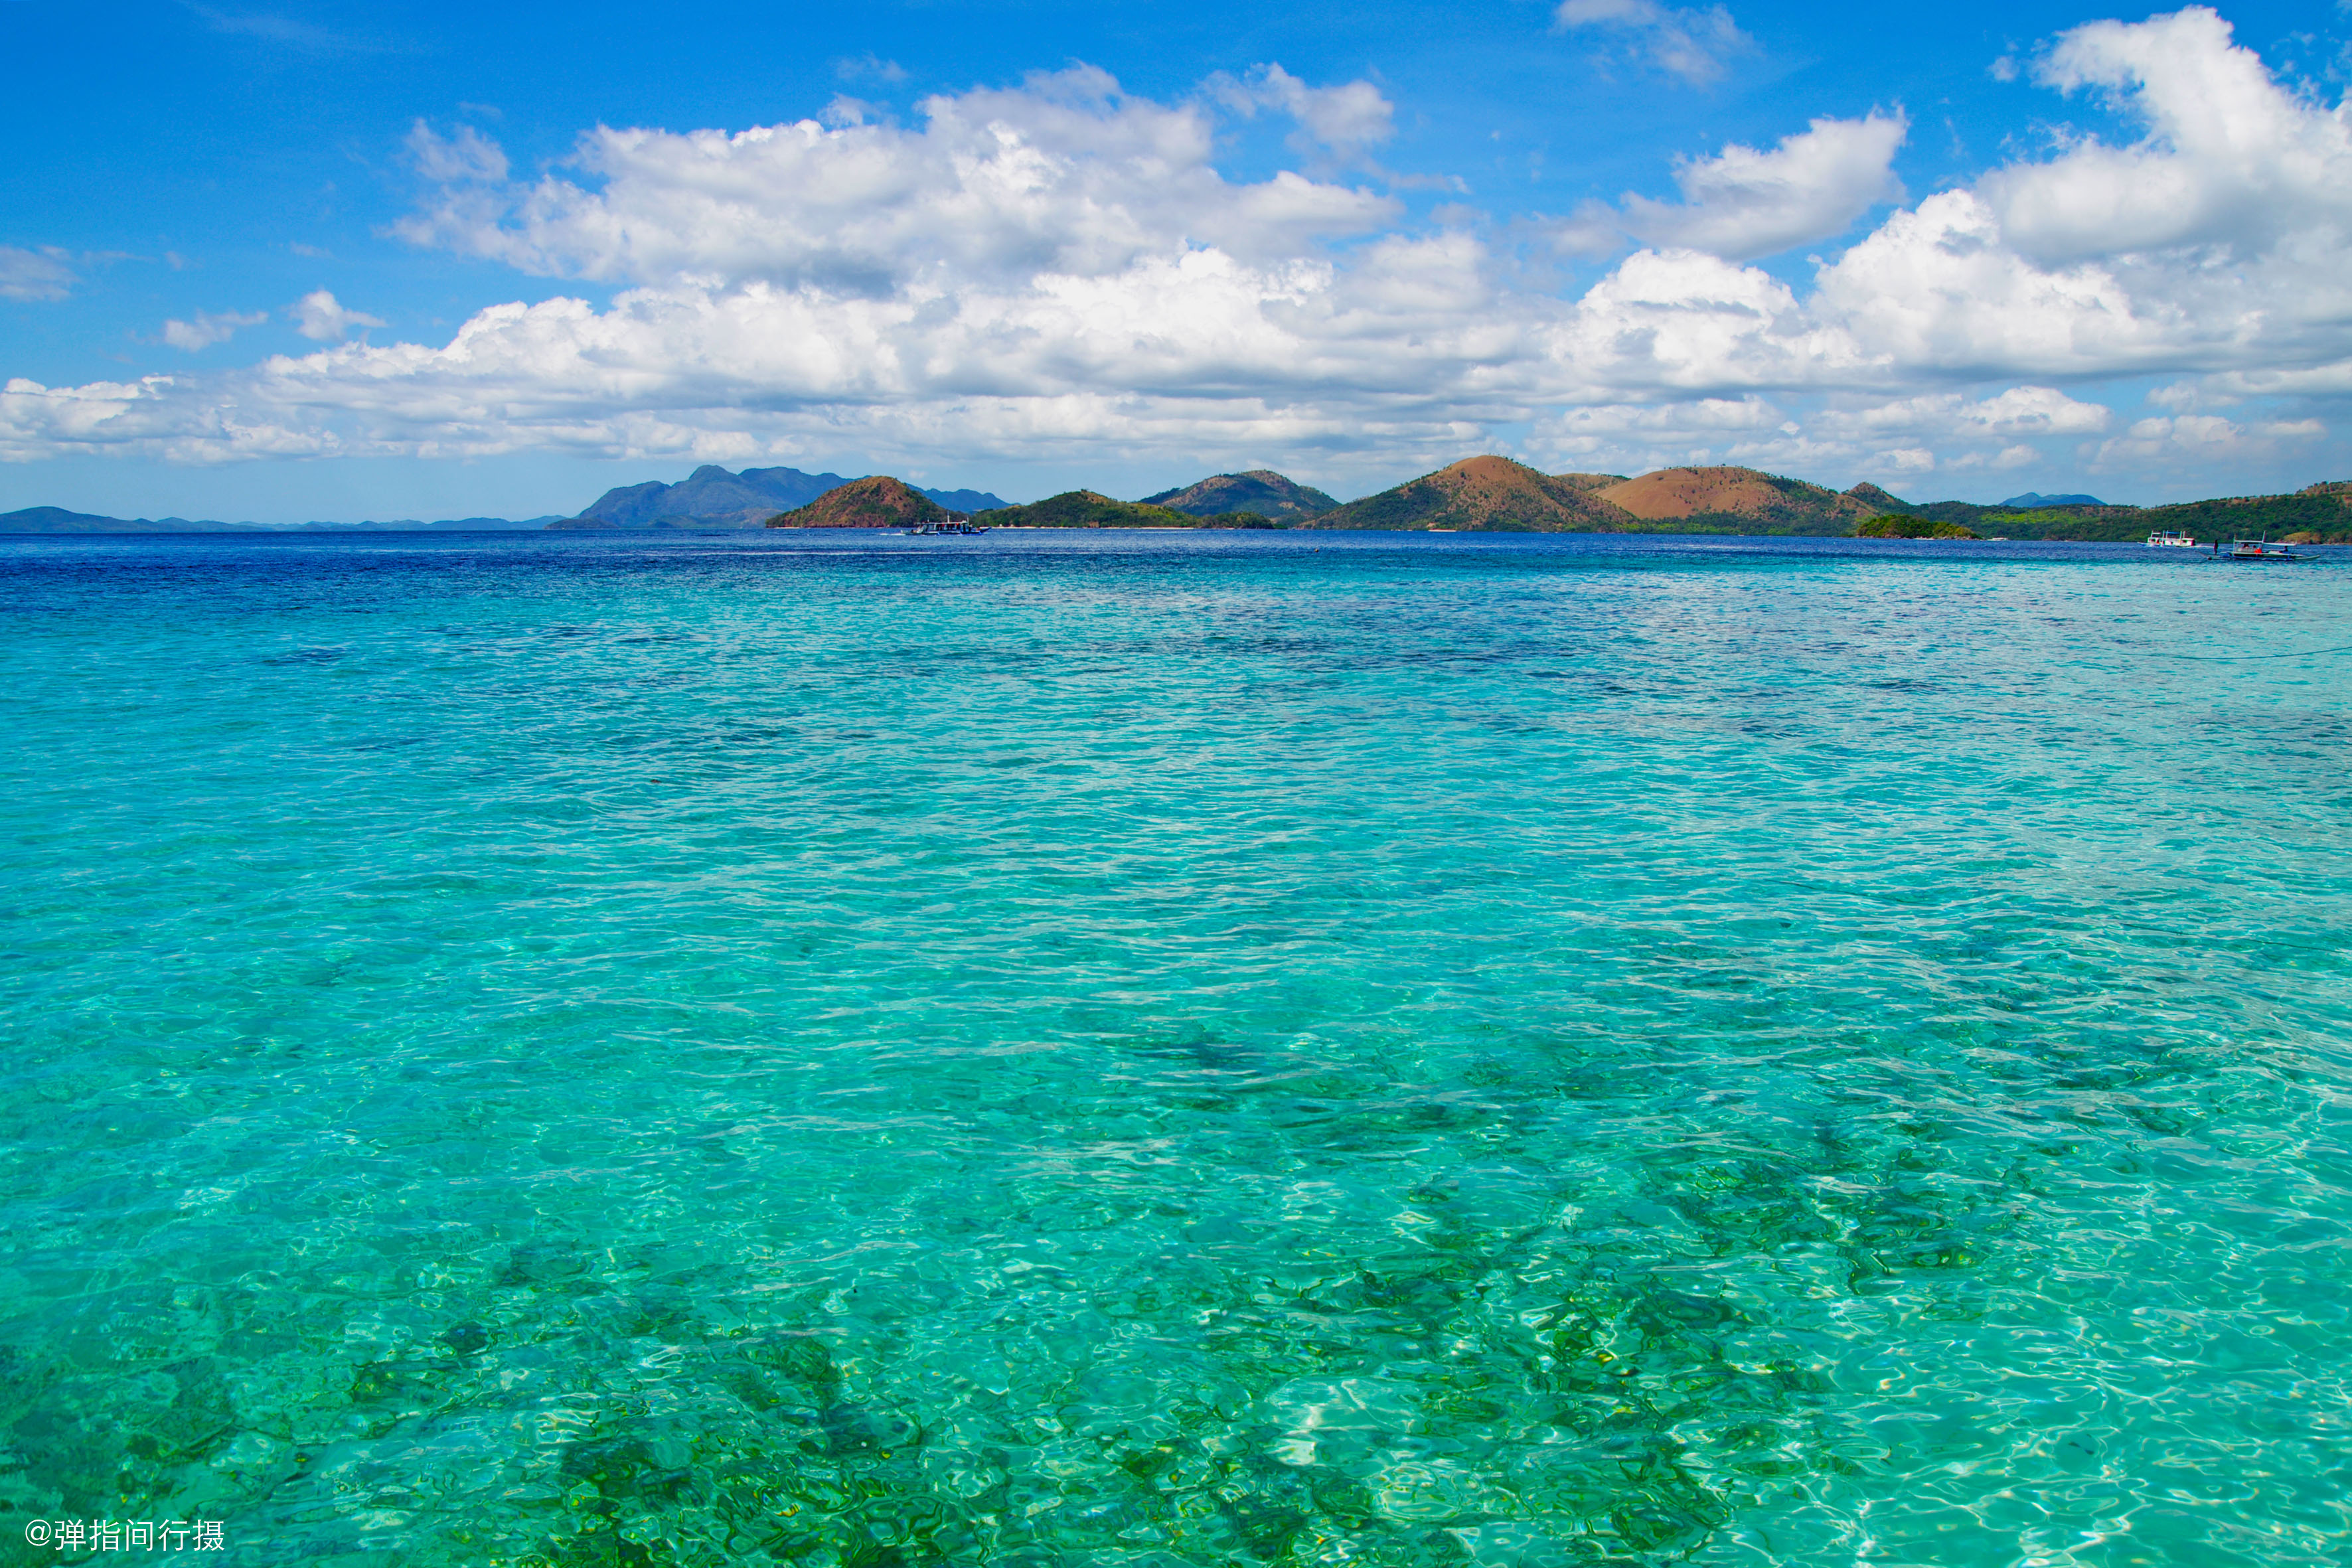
(1881, 502)
(1482, 494)
(876, 501)
(1739, 498)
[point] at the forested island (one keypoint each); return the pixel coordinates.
(1481, 494)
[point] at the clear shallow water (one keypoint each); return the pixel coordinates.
(1176, 1049)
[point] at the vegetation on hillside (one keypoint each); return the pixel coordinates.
(1085, 508)
(1260, 490)
(2323, 510)
(1895, 525)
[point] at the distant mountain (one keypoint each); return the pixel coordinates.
(1260, 491)
(2029, 498)
(57, 519)
(877, 501)
(1482, 494)
(711, 497)
(1083, 509)
(964, 502)
(1738, 501)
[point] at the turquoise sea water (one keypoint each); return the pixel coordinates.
(1149, 1049)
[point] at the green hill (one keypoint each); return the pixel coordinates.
(1085, 508)
(2323, 512)
(1260, 491)
(1896, 525)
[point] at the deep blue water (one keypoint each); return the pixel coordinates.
(1145, 1050)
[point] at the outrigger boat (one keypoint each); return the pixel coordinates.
(2169, 540)
(2258, 549)
(934, 530)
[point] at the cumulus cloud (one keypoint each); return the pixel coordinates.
(2230, 161)
(869, 66)
(1743, 204)
(44, 274)
(1629, 438)
(2199, 439)
(158, 416)
(1066, 175)
(1889, 439)
(1060, 269)
(2018, 411)
(1694, 44)
(205, 330)
(466, 157)
(1349, 120)
(318, 317)
(2216, 241)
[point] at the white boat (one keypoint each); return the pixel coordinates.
(2261, 550)
(2170, 540)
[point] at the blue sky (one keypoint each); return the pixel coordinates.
(283, 261)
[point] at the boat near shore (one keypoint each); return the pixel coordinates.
(2167, 540)
(2259, 550)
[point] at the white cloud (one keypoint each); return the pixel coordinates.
(1902, 461)
(1060, 270)
(2185, 397)
(318, 317)
(1349, 120)
(870, 65)
(44, 274)
(2218, 241)
(2230, 159)
(1694, 44)
(2018, 411)
(158, 416)
(2199, 438)
(1066, 175)
(206, 330)
(1629, 438)
(1743, 204)
(467, 157)
(2005, 460)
